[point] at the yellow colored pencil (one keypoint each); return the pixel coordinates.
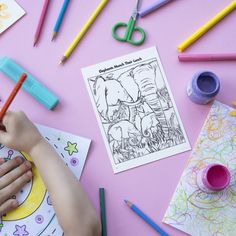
(83, 31)
(202, 30)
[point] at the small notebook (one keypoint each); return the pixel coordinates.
(10, 12)
(193, 210)
(35, 215)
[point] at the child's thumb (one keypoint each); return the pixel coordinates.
(4, 137)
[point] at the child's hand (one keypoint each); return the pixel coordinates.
(14, 174)
(20, 133)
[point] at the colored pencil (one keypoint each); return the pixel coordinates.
(202, 30)
(146, 218)
(12, 95)
(59, 19)
(41, 20)
(83, 31)
(103, 211)
(154, 6)
(207, 57)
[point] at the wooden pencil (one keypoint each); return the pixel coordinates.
(12, 95)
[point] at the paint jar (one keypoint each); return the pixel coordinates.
(214, 177)
(203, 88)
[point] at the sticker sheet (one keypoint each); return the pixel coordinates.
(135, 109)
(35, 215)
(10, 12)
(193, 209)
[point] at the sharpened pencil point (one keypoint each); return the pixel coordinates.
(54, 34)
(62, 61)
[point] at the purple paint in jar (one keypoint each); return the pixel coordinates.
(214, 177)
(204, 87)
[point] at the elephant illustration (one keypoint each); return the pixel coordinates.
(124, 134)
(132, 88)
(108, 96)
(151, 127)
(144, 79)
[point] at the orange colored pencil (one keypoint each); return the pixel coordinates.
(12, 95)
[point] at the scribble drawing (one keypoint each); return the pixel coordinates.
(192, 209)
(136, 111)
(4, 14)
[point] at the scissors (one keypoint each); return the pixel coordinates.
(130, 28)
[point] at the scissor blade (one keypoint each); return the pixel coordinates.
(135, 11)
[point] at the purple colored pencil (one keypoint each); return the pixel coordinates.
(207, 57)
(41, 20)
(154, 6)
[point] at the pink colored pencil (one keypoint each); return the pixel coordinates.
(41, 20)
(207, 57)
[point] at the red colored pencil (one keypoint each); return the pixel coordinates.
(12, 95)
(41, 20)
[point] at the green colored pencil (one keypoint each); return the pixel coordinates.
(103, 211)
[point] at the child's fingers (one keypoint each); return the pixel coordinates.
(14, 187)
(2, 161)
(8, 205)
(9, 165)
(12, 175)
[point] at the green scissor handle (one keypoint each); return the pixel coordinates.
(130, 28)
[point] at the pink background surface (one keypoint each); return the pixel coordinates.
(150, 186)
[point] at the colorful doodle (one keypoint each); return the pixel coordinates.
(10, 12)
(193, 210)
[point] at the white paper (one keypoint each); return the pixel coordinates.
(35, 215)
(10, 12)
(193, 209)
(135, 109)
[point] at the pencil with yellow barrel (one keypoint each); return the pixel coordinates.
(202, 30)
(83, 31)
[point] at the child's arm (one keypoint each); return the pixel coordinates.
(74, 211)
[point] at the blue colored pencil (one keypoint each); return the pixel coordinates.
(146, 218)
(59, 19)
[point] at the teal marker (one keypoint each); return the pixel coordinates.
(31, 85)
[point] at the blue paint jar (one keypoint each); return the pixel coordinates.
(203, 88)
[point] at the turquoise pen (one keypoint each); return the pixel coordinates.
(59, 19)
(146, 218)
(31, 85)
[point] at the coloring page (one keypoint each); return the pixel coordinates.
(135, 109)
(193, 209)
(10, 12)
(35, 215)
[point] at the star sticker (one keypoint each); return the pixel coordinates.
(71, 148)
(20, 230)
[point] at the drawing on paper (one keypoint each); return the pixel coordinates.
(10, 12)
(35, 214)
(135, 110)
(4, 14)
(194, 210)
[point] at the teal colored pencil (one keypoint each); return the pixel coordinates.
(103, 211)
(59, 19)
(146, 218)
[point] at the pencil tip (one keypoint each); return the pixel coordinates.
(53, 36)
(35, 42)
(62, 61)
(129, 204)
